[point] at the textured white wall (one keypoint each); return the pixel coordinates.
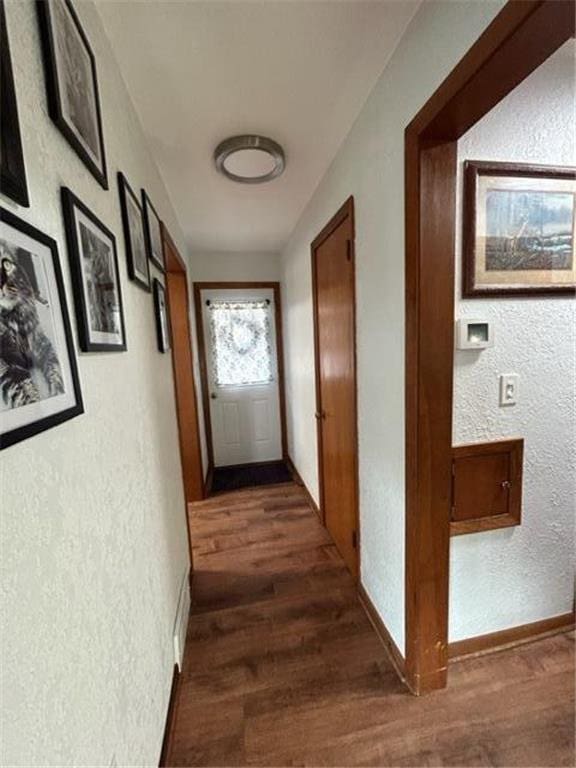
(225, 267)
(501, 579)
(205, 267)
(370, 166)
(93, 540)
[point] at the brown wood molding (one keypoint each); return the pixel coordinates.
(298, 480)
(210, 286)
(508, 638)
(381, 630)
(208, 481)
(521, 37)
(170, 719)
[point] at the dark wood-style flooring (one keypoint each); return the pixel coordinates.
(283, 667)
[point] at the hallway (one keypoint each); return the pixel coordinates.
(282, 666)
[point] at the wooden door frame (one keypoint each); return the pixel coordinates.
(344, 212)
(223, 285)
(520, 38)
(182, 361)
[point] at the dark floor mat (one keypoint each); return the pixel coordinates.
(233, 478)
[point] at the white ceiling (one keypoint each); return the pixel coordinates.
(298, 71)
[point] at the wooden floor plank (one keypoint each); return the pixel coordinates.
(282, 666)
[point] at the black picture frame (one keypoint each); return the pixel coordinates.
(161, 316)
(134, 234)
(13, 182)
(151, 221)
(27, 430)
(71, 206)
(479, 280)
(53, 76)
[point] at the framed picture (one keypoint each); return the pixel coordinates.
(161, 311)
(95, 276)
(519, 229)
(153, 229)
(72, 83)
(134, 236)
(39, 385)
(12, 169)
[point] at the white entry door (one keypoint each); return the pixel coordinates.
(240, 341)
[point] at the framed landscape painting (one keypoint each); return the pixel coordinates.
(161, 312)
(519, 229)
(94, 270)
(39, 384)
(134, 235)
(12, 170)
(72, 83)
(153, 230)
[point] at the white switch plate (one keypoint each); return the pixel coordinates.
(508, 388)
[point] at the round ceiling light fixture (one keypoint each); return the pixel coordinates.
(250, 159)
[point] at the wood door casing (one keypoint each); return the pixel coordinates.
(336, 411)
(518, 40)
(184, 387)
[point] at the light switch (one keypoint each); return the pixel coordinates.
(508, 388)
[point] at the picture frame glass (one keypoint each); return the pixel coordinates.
(137, 237)
(41, 383)
(162, 322)
(154, 232)
(72, 83)
(13, 181)
(100, 282)
(524, 232)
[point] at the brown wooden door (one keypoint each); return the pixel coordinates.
(334, 310)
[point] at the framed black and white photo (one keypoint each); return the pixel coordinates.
(12, 169)
(39, 384)
(95, 276)
(72, 83)
(134, 237)
(161, 312)
(153, 230)
(519, 229)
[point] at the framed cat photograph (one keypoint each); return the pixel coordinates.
(12, 169)
(95, 276)
(39, 384)
(72, 83)
(153, 230)
(134, 236)
(161, 312)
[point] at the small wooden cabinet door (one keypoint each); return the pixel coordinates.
(486, 486)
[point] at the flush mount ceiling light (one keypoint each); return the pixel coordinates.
(250, 159)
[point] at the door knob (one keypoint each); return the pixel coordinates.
(213, 395)
(505, 484)
(320, 415)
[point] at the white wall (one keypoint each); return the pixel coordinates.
(230, 266)
(370, 166)
(93, 535)
(505, 578)
(225, 267)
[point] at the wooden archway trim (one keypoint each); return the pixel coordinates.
(184, 386)
(521, 37)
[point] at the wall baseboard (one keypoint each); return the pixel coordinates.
(170, 718)
(383, 633)
(508, 638)
(298, 480)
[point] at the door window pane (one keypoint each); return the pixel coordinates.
(241, 335)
